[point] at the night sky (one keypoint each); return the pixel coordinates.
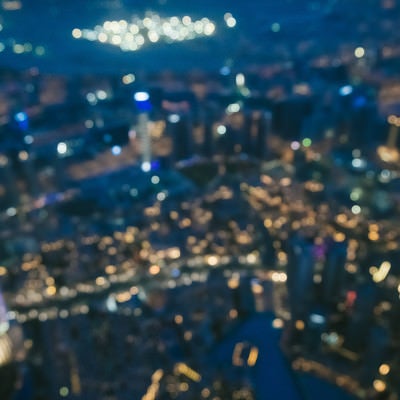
(49, 23)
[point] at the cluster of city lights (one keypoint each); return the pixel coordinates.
(131, 36)
(22, 48)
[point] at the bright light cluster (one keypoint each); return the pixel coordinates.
(131, 36)
(21, 48)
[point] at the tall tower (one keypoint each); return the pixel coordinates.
(30, 174)
(8, 180)
(143, 106)
(12, 351)
(180, 129)
(334, 271)
(5, 342)
(300, 275)
(257, 127)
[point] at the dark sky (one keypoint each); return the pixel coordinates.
(50, 22)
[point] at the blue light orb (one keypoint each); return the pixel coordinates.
(22, 120)
(116, 150)
(346, 90)
(142, 101)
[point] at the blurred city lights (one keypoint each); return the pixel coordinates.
(221, 129)
(62, 148)
(359, 52)
(229, 20)
(131, 36)
(240, 79)
(146, 166)
(174, 118)
(116, 150)
(275, 27)
(128, 79)
(141, 96)
(346, 90)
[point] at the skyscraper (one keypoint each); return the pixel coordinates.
(3, 312)
(8, 180)
(5, 342)
(11, 351)
(143, 105)
(300, 275)
(257, 126)
(334, 271)
(179, 127)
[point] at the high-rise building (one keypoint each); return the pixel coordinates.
(289, 117)
(6, 350)
(334, 271)
(143, 105)
(3, 316)
(11, 350)
(29, 172)
(179, 128)
(257, 126)
(300, 276)
(208, 145)
(9, 191)
(359, 326)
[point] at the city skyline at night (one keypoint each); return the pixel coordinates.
(199, 201)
